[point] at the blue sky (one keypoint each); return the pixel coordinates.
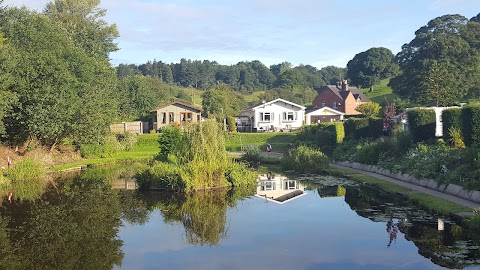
(314, 32)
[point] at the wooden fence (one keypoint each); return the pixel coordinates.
(136, 127)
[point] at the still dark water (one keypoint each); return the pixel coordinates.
(316, 222)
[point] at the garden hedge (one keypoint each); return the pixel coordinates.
(357, 128)
(375, 127)
(336, 128)
(471, 125)
(451, 118)
(422, 124)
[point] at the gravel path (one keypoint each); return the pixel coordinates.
(460, 201)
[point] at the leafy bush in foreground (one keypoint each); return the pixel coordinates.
(305, 159)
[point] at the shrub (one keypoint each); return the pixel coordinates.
(455, 137)
(127, 140)
(91, 150)
(231, 124)
(356, 128)
(305, 159)
(451, 118)
(252, 154)
(170, 138)
(28, 179)
(368, 153)
(375, 127)
(239, 175)
(162, 175)
(369, 109)
(471, 125)
(336, 128)
(111, 146)
(422, 124)
(326, 140)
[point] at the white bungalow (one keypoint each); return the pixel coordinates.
(275, 115)
(321, 115)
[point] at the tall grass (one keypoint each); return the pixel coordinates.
(27, 179)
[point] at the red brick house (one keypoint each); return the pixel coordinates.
(340, 97)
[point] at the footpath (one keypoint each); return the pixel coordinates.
(455, 199)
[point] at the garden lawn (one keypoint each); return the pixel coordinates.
(278, 140)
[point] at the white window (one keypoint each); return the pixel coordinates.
(334, 104)
(289, 116)
(266, 117)
(324, 104)
(267, 185)
(291, 184)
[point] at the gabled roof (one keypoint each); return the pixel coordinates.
(343, 94)
(177, 103)
(312, 110)
(274, 101)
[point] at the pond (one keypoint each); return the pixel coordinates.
(301, 222)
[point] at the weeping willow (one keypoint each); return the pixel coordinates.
(197, 161)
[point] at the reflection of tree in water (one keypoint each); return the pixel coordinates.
(331, 191)
(73, 226)
(202, 214)
(444, 248)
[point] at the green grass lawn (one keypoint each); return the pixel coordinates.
(278, 140)
(379, 92)
(146, 147)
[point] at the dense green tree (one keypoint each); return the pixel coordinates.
(124, 70)
(63, 90)
(139, 94)
(450, 42)
(221, 101)
(83, 19)
(332, 74)
(369, 109)
(368, 68)
(7, 98)
(437, 86)
(280, 68)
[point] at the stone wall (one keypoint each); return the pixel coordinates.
(452, 189)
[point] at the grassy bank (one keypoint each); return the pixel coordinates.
(379, 92)
(145, 148)
(426, 201)
(278, 140)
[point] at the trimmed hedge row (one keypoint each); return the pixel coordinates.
(356, 128)
(422, 124)
(375, 126)
(324, 135)
(471, 125)
(451, 118)
(336, 128)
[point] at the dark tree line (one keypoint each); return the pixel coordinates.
(244, 77)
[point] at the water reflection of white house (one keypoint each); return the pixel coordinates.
(278, 188)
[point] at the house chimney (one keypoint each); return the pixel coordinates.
(344, 85)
